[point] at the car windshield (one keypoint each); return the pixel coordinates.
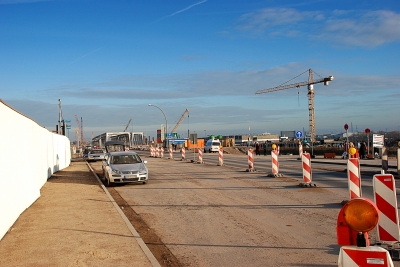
(125, 159)
(215, 143)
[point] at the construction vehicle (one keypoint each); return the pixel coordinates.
(310, 83)
(180, 121)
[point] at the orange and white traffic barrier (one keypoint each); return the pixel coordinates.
(162, 152)
(307, 173)
(250, 160)
(170, 152)
(277, 148)
(200, 154)
(183, 153)
(152, 153)
(275, 163)
(352, 256)
(356, 219)
(354, 177)
(386, 201)
(300, 150)
(157, 152)
(220, 157)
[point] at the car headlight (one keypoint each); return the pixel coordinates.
(115, 171)
(142, 170)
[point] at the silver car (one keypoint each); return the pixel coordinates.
(95, 154)
(120, 167)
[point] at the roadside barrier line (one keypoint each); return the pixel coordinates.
(354, 177)
(250, 160)
(275, 164)
(306, 163)
(386, 200)
(134, 233)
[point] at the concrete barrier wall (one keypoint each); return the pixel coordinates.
(29, 155)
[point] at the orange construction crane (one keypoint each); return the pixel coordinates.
(310, 83)
(127, 125)
(180, 121)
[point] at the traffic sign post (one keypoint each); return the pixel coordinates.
(367, 131)
(346, 127)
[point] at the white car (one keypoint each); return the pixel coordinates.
(95, 154)
(212, 145)
(121, 167)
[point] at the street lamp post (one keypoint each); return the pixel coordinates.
(166, 123)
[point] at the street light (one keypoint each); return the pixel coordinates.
(166, 122)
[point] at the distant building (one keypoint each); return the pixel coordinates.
(289, 134)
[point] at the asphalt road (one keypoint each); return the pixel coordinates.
(209, 215)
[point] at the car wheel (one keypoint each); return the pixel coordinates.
(107, 181)
(144, 182)
(209, 151)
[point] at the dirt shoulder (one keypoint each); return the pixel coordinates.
(73, 223)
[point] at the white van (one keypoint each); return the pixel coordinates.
(212, 145)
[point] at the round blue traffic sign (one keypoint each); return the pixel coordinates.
(299, 134)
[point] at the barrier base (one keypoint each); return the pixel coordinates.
(275, 175)
(250, 170)
(303, 184)
(393, 248)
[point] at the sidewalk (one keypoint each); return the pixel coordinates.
(74, 223)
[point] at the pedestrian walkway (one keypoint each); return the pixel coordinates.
(74, 223)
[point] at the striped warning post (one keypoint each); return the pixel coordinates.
(275, 163)
(277, 148)
(300, 150)
(157, 152)
(353, 256)
(183, 153)
(162, 152)
(354, 177)
(151, 151)
(386, 201)
(250, 160)
(200, 154)
(307, 174)
(221, 157)
(170, 152)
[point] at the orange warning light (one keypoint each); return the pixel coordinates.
(352, 151)
(273, 146)
(361, 214)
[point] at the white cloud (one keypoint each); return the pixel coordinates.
(346, 27)
(371, 29)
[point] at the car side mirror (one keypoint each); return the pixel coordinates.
(145, 162)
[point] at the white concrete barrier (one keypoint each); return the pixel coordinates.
(29, 155)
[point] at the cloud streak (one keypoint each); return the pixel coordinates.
(85, 55)
(183, 10)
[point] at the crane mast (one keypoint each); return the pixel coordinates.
(80, 129)
(180, 121)
(310, 84)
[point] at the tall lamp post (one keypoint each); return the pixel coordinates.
(166, 123)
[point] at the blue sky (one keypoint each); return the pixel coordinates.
(107, 60)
